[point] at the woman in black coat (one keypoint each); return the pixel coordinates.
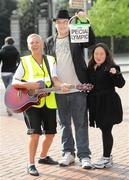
(105, 108)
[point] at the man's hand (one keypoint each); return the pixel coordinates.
(65, 87)
(82, 16)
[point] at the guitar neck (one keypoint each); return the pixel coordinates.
(53, 89)
(48, 90)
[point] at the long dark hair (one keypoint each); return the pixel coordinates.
(109, 58)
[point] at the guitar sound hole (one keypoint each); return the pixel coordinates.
(19, 94)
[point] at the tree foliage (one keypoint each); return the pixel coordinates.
(110, 17)
(28, 11)
(26, 17)
(6, 8)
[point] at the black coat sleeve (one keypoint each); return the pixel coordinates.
(118, 78)
(91, 39)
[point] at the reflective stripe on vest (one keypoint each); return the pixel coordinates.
(34, 73)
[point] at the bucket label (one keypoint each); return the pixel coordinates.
(79, 33)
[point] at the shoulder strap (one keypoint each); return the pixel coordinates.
(48, 68)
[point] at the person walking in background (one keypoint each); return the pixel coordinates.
(105, 109)
(71, 68)
(10, 58)
(40, 118)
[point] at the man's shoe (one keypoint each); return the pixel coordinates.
(32, 170)
(47, 160)
(86, 163)
(67, 159)
(104, 162)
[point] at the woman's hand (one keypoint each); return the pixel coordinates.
(32, 85)
(113, 70)
(26, 85)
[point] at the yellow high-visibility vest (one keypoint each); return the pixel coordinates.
(34, 73)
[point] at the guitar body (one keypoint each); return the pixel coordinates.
(18, 100)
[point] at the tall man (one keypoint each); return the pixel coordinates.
(71, 68)
(40, 118)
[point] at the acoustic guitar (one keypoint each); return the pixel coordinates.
(19, 100)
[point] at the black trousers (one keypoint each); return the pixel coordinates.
(107, 140)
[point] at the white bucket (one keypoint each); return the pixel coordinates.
(79, 33)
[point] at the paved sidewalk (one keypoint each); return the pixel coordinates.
(13, 150)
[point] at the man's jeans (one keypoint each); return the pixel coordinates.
(7, 79)
(74, 106)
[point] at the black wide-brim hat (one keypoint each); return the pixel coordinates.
(62, 14)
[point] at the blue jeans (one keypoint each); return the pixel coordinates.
(73, 106)
(7, 79)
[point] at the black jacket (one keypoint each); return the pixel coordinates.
(104, 103)
(77, 52)
(10, 58)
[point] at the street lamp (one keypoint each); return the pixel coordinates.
(44, 10)
(34, 6)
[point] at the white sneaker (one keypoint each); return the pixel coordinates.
(67, 159)
(104, 162)
(86, 163)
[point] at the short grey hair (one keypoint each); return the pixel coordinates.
(34, 35)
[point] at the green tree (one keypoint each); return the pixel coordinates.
(6, 8)
(26, 17)
(110, 18)
(28, 11)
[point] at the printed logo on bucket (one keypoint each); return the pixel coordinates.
(79, 33)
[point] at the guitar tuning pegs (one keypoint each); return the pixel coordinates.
(86, 87)
(79, 87)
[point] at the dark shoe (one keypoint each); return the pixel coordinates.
(47, 160)
(32, 170)
(9, 112)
